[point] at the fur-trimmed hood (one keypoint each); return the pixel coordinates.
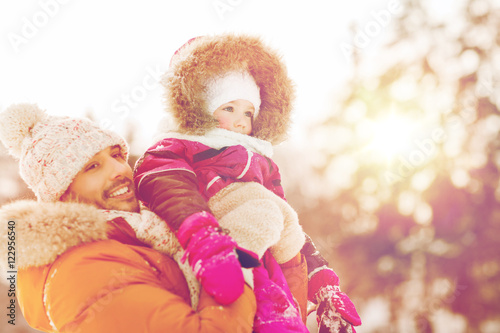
(45, 230)
(204, 58)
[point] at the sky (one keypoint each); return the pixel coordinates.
(71, 56)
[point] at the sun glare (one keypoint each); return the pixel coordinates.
(390, 136)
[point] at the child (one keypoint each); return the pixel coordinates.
(231, 99)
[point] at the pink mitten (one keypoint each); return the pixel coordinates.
(329, 319)
(211, 254)
(324, 290)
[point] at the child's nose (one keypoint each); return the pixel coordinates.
(239, 122)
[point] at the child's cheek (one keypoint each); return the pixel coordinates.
(223, 124)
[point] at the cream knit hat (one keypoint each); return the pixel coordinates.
(230, 87)
(52, 150)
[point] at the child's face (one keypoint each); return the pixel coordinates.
(236, 116)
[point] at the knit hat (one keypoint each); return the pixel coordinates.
(52, 150)
(231, 87)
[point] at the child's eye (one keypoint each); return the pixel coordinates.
(249, 114)
(91, 166)
(228, 108)
(118, 155)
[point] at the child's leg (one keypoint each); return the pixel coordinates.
(292, 237)
(253, 211)
(255, 225)
(258, 219)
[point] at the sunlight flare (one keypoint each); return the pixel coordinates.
(391, 136)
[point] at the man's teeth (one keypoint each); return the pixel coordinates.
(119, 192)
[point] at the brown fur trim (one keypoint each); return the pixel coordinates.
(45, 230)
(210, 56)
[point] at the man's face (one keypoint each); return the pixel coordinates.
(105, 181)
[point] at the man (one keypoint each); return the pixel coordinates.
(79, 271)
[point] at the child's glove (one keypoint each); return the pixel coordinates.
(324, 290)
(330, 321)
(211, 254)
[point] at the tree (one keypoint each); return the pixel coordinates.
(405, 179)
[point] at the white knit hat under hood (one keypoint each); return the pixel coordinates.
(231, 87)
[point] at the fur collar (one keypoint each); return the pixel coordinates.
(218, 138)
(207, 57)
(45, 230)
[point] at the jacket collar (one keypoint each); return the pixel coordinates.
(45, 230)
(218, 138)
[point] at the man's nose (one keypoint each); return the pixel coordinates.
(116, 168)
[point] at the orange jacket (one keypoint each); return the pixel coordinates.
(80, 273)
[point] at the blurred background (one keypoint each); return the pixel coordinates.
(393, 159)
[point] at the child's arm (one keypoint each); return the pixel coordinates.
(272, 179)
(324, 287)
(166, 182)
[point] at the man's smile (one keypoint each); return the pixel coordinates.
(123, 190)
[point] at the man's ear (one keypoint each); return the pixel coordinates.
(68, 196)
(64, 197)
